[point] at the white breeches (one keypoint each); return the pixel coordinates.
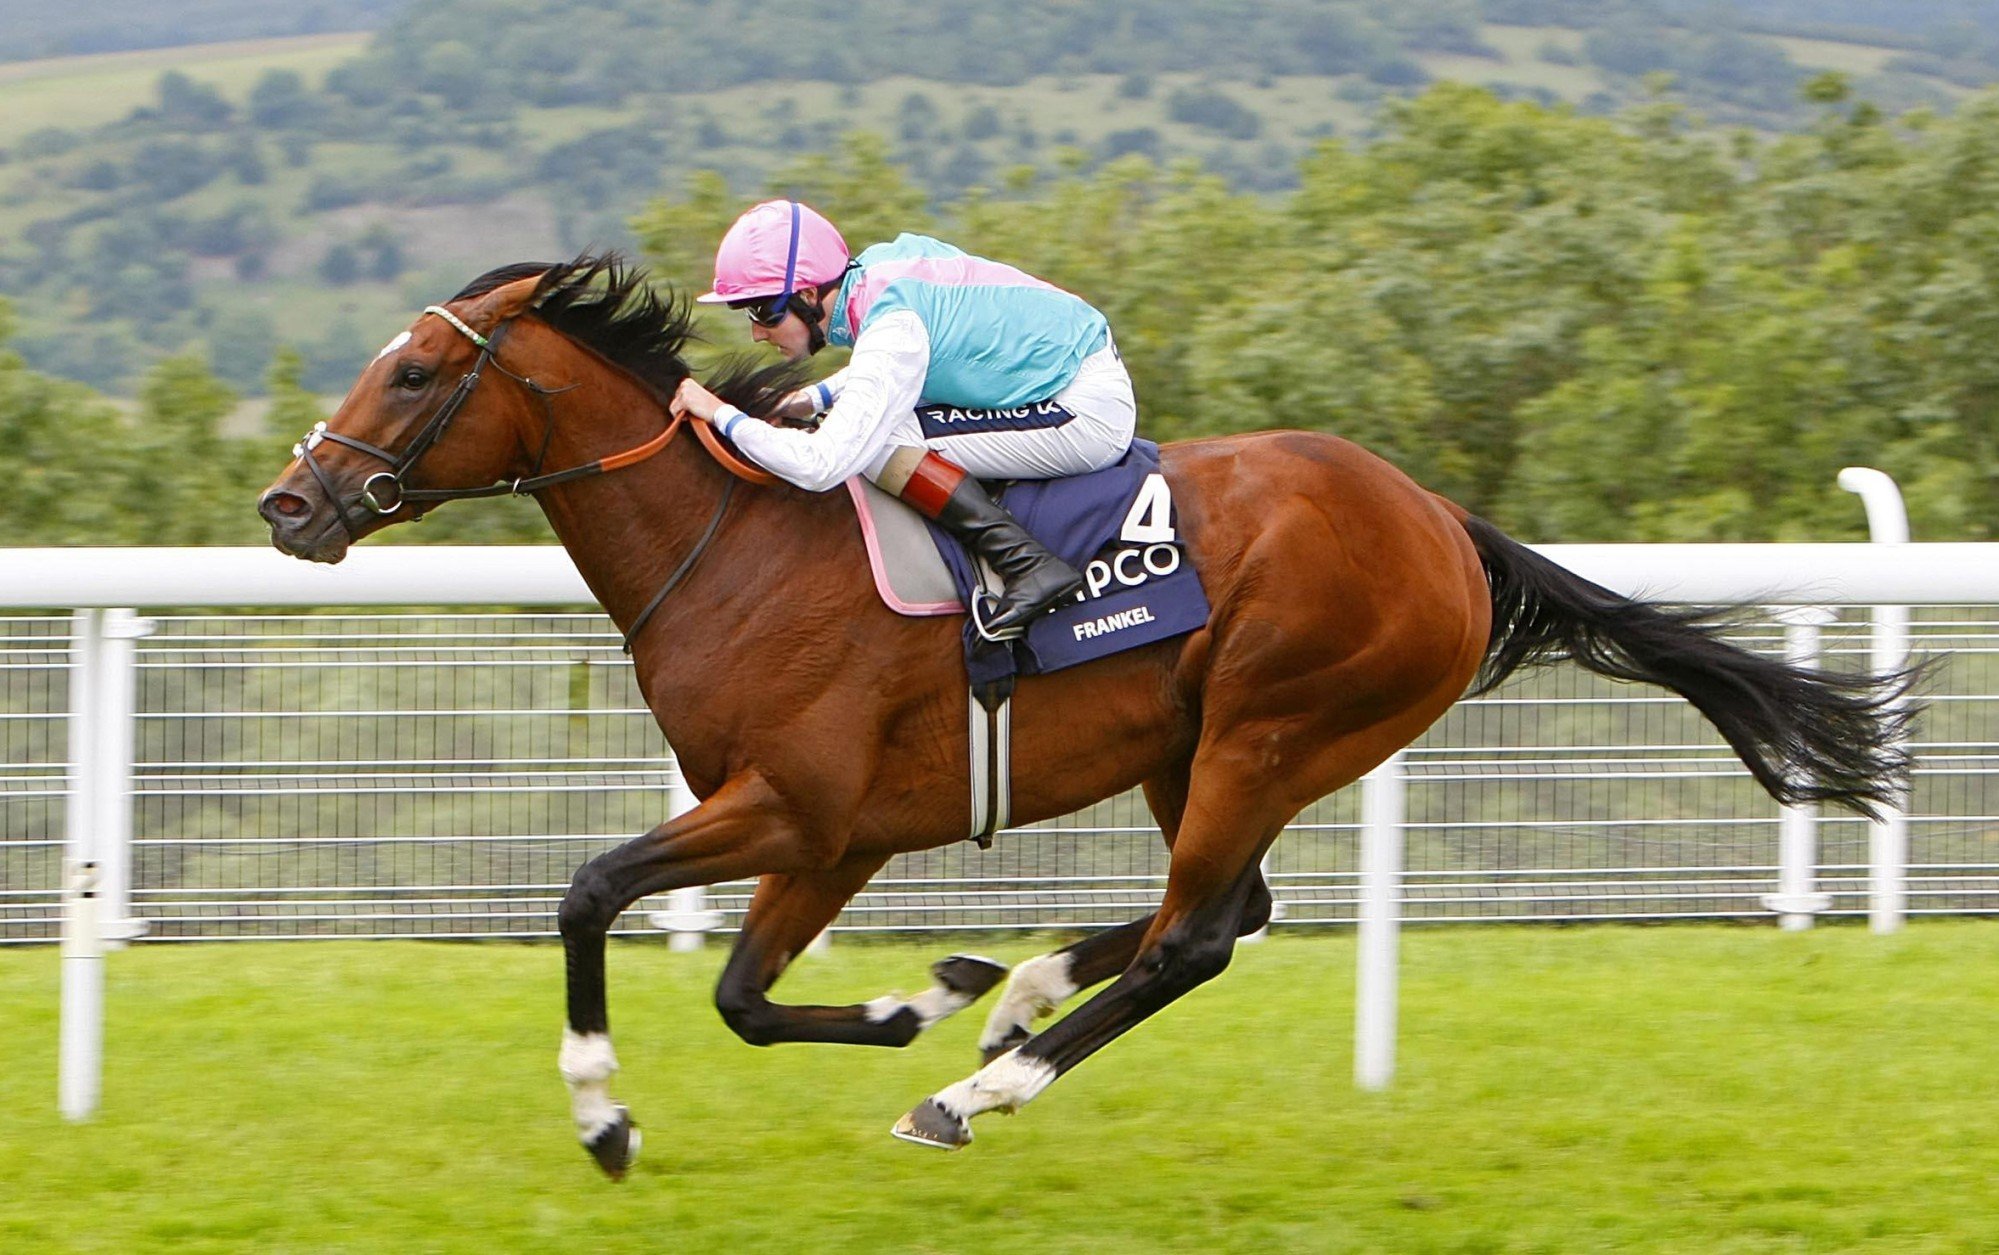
(1104, 416)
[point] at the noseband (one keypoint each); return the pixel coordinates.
(384, 492)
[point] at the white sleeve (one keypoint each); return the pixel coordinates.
(883, 380)
(828, 390)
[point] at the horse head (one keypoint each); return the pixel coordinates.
(416, 422)
(462, 402)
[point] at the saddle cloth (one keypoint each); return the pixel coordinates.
(1117, 526)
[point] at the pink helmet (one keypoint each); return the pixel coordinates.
(775, 249)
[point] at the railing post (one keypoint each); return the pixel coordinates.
(97, 869)
(1797, 898)
(1888, 836)
(80, 1061)
(1382, 807)
(117, 731)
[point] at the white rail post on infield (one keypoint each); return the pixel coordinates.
(98, 840)
(1797, 898)
(80, 1061)
(1888, 836)
(116, 732)
(1382, 809)
(686, 916)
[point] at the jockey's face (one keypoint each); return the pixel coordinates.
(792, 336)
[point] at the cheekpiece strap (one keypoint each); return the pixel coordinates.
(457, 322)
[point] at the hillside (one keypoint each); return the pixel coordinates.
(32, 29)
(311, 191)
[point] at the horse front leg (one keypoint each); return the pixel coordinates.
(784, 916)
(744, 829)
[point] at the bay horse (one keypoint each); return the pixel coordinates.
(824, 734)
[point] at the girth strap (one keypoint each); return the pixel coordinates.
(991, 759)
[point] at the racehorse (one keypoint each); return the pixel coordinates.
(824, 734)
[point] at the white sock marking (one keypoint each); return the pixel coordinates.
(587, 1063)
(933, 1004)
(1035, 989)
(1008, 1083)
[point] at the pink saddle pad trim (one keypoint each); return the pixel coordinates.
(879, 568)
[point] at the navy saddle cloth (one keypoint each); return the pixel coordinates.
(1119, 528)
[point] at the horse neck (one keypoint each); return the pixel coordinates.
(628, 530)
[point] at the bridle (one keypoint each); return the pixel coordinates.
(372, 495)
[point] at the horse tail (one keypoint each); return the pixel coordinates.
(1806, 735)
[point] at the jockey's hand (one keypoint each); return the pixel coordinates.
(696, 400)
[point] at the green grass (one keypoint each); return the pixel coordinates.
(1672, 1089)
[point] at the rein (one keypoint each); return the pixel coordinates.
(372, 495)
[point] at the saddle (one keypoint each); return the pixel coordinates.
(1117, 526)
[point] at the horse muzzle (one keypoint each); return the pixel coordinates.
(303, 530)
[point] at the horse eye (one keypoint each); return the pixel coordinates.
(412, 377)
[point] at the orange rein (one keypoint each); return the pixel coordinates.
(719, 449)
(716, 446)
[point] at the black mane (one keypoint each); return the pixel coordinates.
(605, 303)
(501, 277)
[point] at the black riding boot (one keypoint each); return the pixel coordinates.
(1036, 580)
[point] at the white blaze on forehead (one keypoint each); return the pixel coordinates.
(393, 345)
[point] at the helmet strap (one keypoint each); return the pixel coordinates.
(811, 313)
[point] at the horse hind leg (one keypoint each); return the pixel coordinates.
(1211, 886)
(1179, 952)
(1040, 985)
(1043, 983)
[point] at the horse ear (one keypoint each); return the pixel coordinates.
(503, 302)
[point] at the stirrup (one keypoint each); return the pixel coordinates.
(978, 612)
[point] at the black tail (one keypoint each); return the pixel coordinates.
(1806, 735)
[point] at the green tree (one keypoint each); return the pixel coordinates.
(189, 104)
(280, 99)
(52, 435)
(181, 466)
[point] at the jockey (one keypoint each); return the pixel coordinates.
(963, 369)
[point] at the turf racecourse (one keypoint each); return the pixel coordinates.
(1672, 1089)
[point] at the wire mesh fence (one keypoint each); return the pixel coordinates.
(441, 775)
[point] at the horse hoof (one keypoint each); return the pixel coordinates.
(930, 1125)
(1017, 1038)
(616, 1146)
(968, 974)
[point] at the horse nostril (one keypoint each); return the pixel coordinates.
(286, 507)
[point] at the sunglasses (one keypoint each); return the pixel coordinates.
(768, 311)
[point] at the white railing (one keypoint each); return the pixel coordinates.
(315, 775)
(442, 774)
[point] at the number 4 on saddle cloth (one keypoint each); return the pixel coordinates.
(1116, 526)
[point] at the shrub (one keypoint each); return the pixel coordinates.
(1211, 110)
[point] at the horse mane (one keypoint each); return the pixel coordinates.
(606, 304)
